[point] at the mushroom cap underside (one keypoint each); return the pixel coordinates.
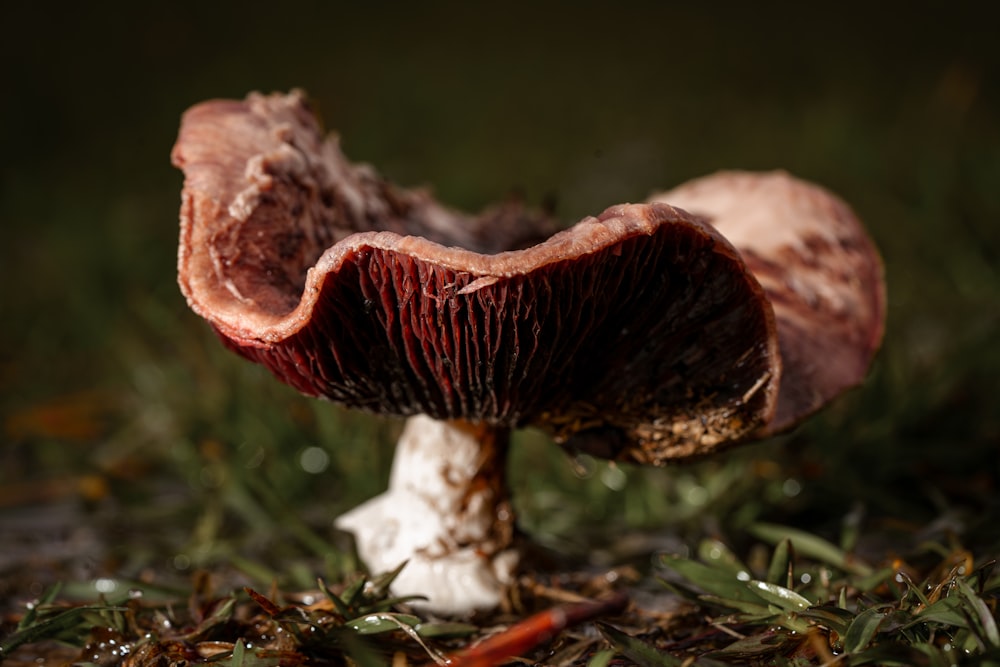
(820, 270)
(642, 324)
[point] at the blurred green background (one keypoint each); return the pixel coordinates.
(133, 444)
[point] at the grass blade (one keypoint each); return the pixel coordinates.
(50, 627)
(807, 544)
(863, 629)
(982, 614)
(946, 611)
(339, 605)
(635, 649)
(754, 647)
(47, 598)
(722, 583)
(778, 571)
(445, 629)
(373, 624)
(833, 618)
(783, 598)
(717, 554)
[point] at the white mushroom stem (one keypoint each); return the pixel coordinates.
(446, 513)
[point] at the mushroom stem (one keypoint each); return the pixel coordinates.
(447, 513)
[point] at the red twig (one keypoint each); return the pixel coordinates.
(532, 631)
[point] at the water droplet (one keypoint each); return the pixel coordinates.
(256, 459)
(583, 465)
(792, 487)
(614, 477)
(105, 585)
(696, 495)
(314, 460)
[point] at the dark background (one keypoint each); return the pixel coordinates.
(117, 402)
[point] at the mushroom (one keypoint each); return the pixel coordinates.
(820, 271)
(641, 334)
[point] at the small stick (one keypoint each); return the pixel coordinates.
(532, 631)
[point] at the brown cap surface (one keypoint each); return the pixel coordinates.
(643, 323)
(819, 268)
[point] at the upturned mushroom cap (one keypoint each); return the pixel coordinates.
(819, 268)
(643, 324)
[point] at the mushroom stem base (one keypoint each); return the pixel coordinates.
(446, 513)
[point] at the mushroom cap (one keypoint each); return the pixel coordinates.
(642, 325)
(821, 271)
